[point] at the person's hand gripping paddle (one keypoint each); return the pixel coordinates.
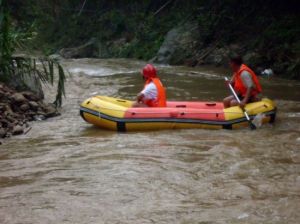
(252, 126)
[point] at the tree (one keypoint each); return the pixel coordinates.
(18, 67)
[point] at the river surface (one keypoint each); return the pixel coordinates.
(67, 171)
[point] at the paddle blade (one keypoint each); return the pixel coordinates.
(258, 120)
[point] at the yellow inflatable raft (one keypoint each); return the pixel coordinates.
(118, 115)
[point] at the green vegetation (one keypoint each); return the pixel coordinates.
(137, 28)
(62, 24)
(271, 29)
(19, 67)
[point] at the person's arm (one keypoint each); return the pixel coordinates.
(140, 97)
(148, 93)
(246, 98)
(248, 83)
(231, 81)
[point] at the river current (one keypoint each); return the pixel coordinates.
(67, 171)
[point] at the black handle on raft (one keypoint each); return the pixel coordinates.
(121, 101)
(211, 104)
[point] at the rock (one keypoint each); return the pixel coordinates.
(35, 86)
(17, 130)
(28, 83)
(218, 56)
(8, 135)
(2, 107)
(1, 94)
(17, 108)
(33, 105)
(31, 96)
(4, 123)
(10, 119)
(8, 110)
(39, 117)
(18, 98)
(25, 107)
(88, 49)
(2, 133)
(179, 44)
(50, 111)
(30, 115)
(10, 125)
(252, 58)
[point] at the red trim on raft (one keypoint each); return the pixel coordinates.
(182, 110)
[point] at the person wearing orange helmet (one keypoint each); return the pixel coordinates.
(153, 94)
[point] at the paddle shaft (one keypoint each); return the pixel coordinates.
(239, 101)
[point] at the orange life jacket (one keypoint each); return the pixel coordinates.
(161, 100)
(239, 86)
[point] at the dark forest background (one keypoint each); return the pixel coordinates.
(137, 29)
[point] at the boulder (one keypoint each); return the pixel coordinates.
(28, 83)
(31, 96)
(17, 130)
(179, 44)
(17, 108)
(2, 94)
(4, 123)
(8, 109)
(10, 119)
(252, 58)
(2, 133)
(50, 111)
(34, 85)
(18, 98)
(25, 107)
(89, 49)
(2, 107)
(33, 105)
(218, 56)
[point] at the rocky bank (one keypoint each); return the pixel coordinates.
(183, 45)
(17, 109)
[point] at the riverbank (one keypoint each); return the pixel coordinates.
(18, 109)
(192, 33)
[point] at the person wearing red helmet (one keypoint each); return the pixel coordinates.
(153, 94)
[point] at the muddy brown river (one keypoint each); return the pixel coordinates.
(67, 171)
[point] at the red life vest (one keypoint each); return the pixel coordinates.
(161, 94)
(239, 86)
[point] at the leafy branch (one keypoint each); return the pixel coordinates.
(22, 67)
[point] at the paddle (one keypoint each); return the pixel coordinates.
(252, 126)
